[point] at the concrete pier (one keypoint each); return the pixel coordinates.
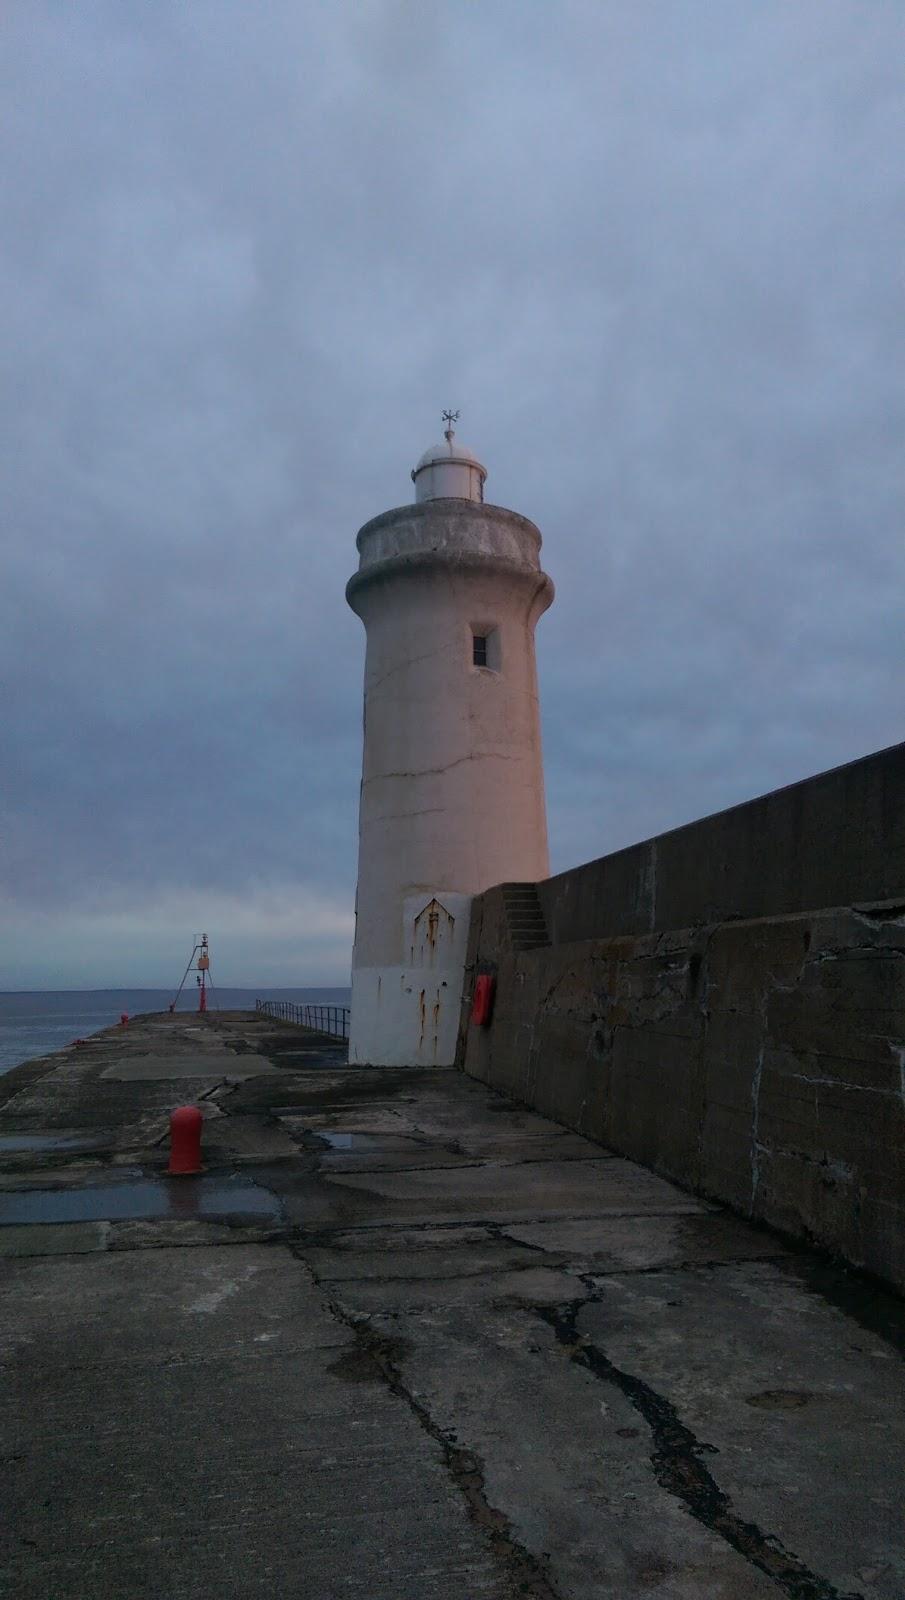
(405, 1340)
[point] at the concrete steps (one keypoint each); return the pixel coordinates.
(524, 916)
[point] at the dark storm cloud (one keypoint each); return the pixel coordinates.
(652, 252)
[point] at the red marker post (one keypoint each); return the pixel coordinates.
(185, 1141)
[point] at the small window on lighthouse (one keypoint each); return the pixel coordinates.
(485, 647)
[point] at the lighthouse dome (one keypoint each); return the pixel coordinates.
(449, 471)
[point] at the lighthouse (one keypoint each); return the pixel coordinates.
(449, 590)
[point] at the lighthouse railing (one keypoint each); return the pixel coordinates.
(332, 1020)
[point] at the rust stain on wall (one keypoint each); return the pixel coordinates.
(433, 929)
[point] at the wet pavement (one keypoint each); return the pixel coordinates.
(14, 1143)
(405, 1339)
(178, 1198)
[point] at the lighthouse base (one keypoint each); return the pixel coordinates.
(408, 1016)
(403, 1017)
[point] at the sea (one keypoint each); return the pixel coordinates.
(38, 1022)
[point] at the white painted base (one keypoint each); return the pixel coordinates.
(408, 1016)
(405, 1017)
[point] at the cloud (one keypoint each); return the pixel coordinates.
(265, 937)
(250, 252)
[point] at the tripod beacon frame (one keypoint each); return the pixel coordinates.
(201, 959)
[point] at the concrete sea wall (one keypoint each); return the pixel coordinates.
(726, 1004)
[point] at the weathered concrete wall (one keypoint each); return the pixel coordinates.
(828, 841)
(761, 1060)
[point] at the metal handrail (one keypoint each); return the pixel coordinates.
(332, 1020)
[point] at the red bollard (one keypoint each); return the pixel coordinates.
(185, 1140)
(124, 1019)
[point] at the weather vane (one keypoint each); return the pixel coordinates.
(449, 417)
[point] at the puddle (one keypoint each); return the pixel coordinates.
(11, 1142)
(369, 1143)
(342, 1141)
(146, 1198)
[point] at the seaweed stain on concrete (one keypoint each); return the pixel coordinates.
(678, 1468)
(780, 1399)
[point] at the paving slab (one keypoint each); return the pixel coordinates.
(74, 1238)
(521, 1191)
(771, 1383)
(369, 1149)
(197, 1434)
(640, 1243)
(211, 1064)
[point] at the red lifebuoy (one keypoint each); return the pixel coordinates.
(482, 1004)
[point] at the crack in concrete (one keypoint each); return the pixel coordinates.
(855, 952)
(209, 1094)
(756, 1147)
(690, 1265)
(700, 983)
(898, 1051)
(442, 1166)
(493, 1269)
(877, 916)
(431, 772)
(524, 1571)
(678, 1468)
(652, 883)
(403, 666)
(326, 1233)
(840, 1083)
(498, 1232)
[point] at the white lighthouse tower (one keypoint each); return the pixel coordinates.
(452, 793)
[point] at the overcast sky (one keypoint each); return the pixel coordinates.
(652, 249)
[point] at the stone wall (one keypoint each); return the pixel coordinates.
(726, 1004)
